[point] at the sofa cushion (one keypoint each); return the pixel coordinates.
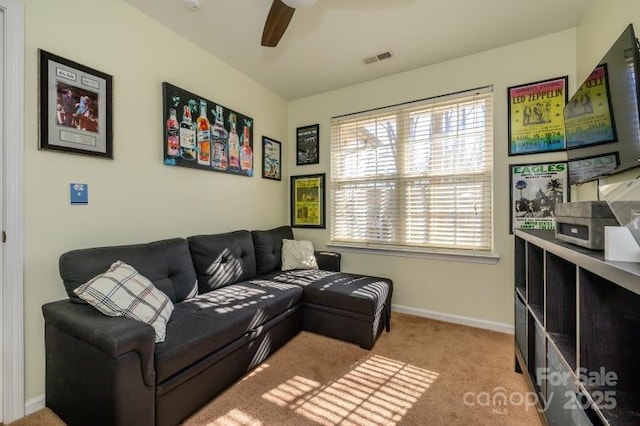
(122, 292)
(268, 247)
(298, 254)
(209, 321)
(166, 263)
(222, 259)
(339, 290)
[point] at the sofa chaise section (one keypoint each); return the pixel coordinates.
(351, 307)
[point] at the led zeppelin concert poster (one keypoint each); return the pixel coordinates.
(536, 122)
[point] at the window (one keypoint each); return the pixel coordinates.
(415, 176)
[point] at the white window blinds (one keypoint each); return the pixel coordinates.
(417, 175)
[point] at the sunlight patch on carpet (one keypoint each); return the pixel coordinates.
(377, 390)
(235, 417)
(259, 369)
(294, 389)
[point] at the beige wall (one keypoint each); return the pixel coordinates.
(133, 198)
(482, 292)
(599, 29)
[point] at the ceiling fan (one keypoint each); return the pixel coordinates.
(278, 19)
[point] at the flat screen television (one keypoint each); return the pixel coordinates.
(602, 124)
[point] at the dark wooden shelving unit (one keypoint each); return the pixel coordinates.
(577, 317)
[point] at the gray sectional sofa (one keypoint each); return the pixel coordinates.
(233, 307)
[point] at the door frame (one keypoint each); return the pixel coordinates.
(12, 309)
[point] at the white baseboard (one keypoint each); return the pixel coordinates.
(456, 319)
(34, 404)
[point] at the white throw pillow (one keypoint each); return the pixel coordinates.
(123, 292)
(298, 254)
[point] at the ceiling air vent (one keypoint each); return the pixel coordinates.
(379, 57)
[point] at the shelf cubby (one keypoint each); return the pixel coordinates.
(609, 336)
(561, 306)
(535, 281)
(536, 353)
(521, 267)
(521, 325)
(565, 404)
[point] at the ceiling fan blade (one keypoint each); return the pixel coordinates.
(277, 22)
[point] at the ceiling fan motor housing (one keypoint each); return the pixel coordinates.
(192, 4)
(297, 4)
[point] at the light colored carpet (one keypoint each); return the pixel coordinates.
(424, 372)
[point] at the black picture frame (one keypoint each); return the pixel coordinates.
(308, 201)
(537, 211)
(536, 120)
(271, 159)
(224, 143)
(585, 169)
(75, 104)
(308, 145)
(589, 118)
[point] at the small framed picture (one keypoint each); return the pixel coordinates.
(75, 107)
(308, 145)
(307, 201)
(535, 189)
(536, 120)
(271, 158)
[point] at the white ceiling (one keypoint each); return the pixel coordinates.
(325, 44)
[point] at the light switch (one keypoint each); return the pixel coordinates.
(79, 193)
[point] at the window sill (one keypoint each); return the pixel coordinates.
(484, 258)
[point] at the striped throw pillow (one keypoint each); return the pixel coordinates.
(122, 292)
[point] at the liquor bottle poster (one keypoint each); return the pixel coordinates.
(202, 134)
(536, 121)
(534, 191)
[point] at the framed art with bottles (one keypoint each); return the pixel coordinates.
(202, 134)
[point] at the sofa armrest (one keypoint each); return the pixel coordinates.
(115, 336)
(328, 260)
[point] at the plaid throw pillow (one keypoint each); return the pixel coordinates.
(298, 254)
(123, 292)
